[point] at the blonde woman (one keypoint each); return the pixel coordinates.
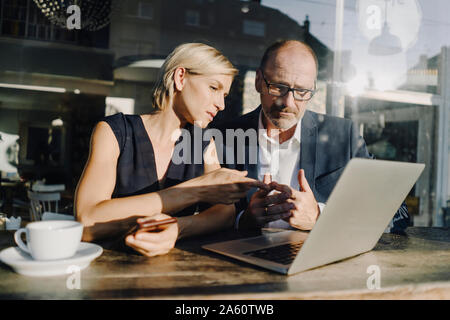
(130, 172)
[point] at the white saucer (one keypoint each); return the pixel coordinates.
(24, 264)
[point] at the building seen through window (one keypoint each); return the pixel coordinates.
(383, 64)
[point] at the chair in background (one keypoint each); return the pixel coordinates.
(56, 216)
(43, 202)
(13, 198)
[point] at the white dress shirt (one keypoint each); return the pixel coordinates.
(282, 161)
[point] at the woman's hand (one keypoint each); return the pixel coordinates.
(225, 186)
(154, 243)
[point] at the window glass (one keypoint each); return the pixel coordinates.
(192, 18)
(145, 10)
(384, 64)
(253, 28)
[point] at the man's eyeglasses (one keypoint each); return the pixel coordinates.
(280, 90)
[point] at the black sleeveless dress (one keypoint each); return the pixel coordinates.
(136, 167)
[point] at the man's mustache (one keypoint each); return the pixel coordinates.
(281, 108)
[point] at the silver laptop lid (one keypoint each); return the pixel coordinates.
(361, 205)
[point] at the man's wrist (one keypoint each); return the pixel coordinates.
(238, 219)
(245, 221)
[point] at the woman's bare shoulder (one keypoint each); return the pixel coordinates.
(103, 141)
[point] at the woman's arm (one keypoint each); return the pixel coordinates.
(103, 216)
(215, 218)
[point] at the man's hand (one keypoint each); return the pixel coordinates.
(264, 208)
(306, 210)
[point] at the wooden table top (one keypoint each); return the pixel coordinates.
(415, 266)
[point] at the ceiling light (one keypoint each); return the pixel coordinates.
(30, 87)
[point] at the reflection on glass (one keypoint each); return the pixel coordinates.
(398, 100)
(9, 152)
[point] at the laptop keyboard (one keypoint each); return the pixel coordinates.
(283, 254)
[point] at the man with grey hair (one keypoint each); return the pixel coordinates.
(312, 150)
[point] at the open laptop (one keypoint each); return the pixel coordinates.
(361, 205)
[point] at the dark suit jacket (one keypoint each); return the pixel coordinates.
(327, 144)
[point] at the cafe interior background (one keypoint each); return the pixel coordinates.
(385, 64)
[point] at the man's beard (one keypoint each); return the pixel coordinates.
(282, 122)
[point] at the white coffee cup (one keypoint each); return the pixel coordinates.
(50, 240)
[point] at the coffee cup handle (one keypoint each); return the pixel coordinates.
(18, 239)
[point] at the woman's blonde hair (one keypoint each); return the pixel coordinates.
(196, 58)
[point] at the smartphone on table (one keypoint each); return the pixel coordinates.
(150, 225)
(154, 225)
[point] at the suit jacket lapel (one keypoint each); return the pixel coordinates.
(308, 147)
